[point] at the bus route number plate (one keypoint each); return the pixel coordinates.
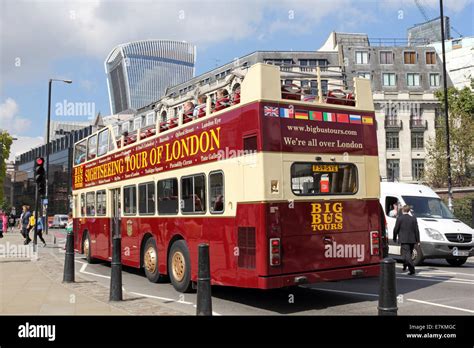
(325, 168)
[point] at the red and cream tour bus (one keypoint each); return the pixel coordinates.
(283, 188)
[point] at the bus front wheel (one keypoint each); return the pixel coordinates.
(150, 261)
(179, 266)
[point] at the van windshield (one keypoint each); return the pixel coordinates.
(428, 207)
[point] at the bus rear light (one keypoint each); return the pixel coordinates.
(374, 243)
(275, 252)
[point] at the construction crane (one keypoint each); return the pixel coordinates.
(425, 16)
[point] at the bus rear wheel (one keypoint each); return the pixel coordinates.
(179, 266)
(150, 261)
(86, 248)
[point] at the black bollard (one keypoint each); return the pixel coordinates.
(388, 288)
(116, 265)
(68, 276)
(204, 300)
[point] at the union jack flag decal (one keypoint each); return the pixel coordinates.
(270, 111)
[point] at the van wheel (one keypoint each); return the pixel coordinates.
(86, 248)
(150, 261)
(179, 266)
(457, 262)
(417, 255)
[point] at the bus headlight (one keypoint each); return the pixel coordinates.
(434, 234)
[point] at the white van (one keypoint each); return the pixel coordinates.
(59, 221)
(442, 236)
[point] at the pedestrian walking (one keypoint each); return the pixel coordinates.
(4, 222)
(25, 223)
(406, 228)
(11, 221)
(40, 228)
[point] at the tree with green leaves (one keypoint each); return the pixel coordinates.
(461, 131)
(5, 143)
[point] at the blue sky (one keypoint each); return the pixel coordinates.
(70, 39)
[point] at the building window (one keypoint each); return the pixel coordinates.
(101, 202)
(193, 194)
(137, 123)
(409, 57)
(392, 140)
(430, 57)
(83, 205)
(388, 79)
(146, 198)
(417, 168)
(413, 80)
(130, 200)
(417, 140)
(386, 57)
(434, 80)
(393, 169)
(150, 119)
(311, 86)
(216, 192)
(362, 57)
(168, 196)
(364, 75)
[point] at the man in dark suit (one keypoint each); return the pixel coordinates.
(407, 228)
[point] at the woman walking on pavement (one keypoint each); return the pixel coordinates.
(4, 222)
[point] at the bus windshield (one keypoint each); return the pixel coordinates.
(428, 207)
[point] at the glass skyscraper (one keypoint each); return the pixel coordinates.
(139, 72)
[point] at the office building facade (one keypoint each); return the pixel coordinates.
(404, 80)
(139, 72)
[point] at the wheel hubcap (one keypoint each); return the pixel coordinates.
(86, 247)
(150, 260)
(178, 266)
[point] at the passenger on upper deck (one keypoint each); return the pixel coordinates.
(188, 111)
(200, 109)
(306, 95)
(222, 101)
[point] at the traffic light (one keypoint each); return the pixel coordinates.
(40, 177)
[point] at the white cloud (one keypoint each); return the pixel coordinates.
(36, 33)
(24, 144)
(10, 120)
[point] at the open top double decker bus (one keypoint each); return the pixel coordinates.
(282, 187)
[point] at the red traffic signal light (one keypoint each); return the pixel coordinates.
(39, 161)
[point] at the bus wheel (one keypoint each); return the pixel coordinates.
(86, 248)
(179, 266)
(417, 255)
(457, 262)
(150, 261)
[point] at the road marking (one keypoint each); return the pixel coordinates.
(346, 292)
(83, 271)
(161, 298)
(440, 305)
(436, 280)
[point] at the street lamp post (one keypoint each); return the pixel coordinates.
(446, 111)
(47, 149)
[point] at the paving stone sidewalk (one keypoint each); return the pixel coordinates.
(32, 284)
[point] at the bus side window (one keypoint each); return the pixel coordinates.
(103, 142)
(92, 147)
(146, 198)
(80, 152)
(216, 192)
(130, 200)
(101, 203)
(90, 204)
(193, 193)
(83, 205)
(168, 196)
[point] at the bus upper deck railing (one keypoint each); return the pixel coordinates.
(261, 82)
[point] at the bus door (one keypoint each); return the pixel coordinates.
(114, 216)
